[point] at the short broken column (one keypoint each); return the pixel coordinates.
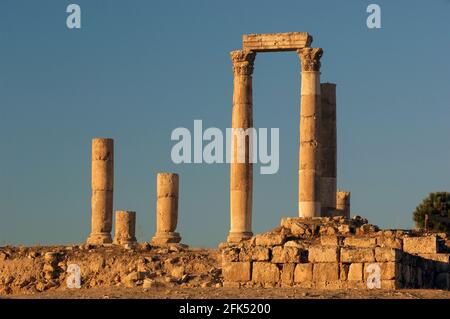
(343, 203)
(125, 229)
(167, 189)
(310, 114)
(241, 166)
(328, 149)
(102, 190)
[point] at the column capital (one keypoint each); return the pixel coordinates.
(242, 61)
(310, 58)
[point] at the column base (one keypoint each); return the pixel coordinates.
(99, 238)
(236, 237)
(309, 209)
(124, 241)
(166, 238)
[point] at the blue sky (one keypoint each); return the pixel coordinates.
(138, 69)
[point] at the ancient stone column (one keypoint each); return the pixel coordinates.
(343, 203)
(125, 230)
(310, 114)
(102, 190)
(167, 189)
(328, 149)
(241, 167)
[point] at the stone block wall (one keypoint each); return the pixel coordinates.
(337, 253)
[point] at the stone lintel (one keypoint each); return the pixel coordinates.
(268, 42)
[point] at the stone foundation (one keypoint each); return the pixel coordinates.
(337, 253)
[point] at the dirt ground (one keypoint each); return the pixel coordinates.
(232, 293)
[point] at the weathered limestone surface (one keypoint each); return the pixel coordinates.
(420, 245)
(290, 41)
(125, 230)
(323, 254)
(328, 152)
(360, 241)
(102, 190)
(264, 272)
(167, 188)
(343, 202)
(241, 168)
(237, 271)
(309, 153)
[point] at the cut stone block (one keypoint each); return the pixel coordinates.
(236, 271)
(259, 253)
(325, 272)
(269, 239)
(303, 273)
(420, 245)
(287, 274)
(355, 272)
(282, 255)
(388, 270)
(265, 272)
(390, 284)
(390, 242)
(384, 254)
(360, 241)
(357, 255)
(329, 240)
(321, 254)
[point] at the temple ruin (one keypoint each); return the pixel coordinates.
(322, 248)
(317, 151)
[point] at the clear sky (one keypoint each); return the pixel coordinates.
(138, 69)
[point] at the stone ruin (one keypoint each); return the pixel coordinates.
(167, 188)
(323, 247)
(337, 253)
(317, 194)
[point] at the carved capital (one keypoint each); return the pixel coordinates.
(310, 58)
(243, 62)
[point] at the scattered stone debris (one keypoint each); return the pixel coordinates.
(41, 269)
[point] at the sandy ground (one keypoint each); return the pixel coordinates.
(219, 293)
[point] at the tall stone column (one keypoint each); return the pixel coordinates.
(241, 167)
(102, 190)
(310, 113)
(328, 149)
(167, 189)
(125, 230)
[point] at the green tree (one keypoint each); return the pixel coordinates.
(437, 207)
